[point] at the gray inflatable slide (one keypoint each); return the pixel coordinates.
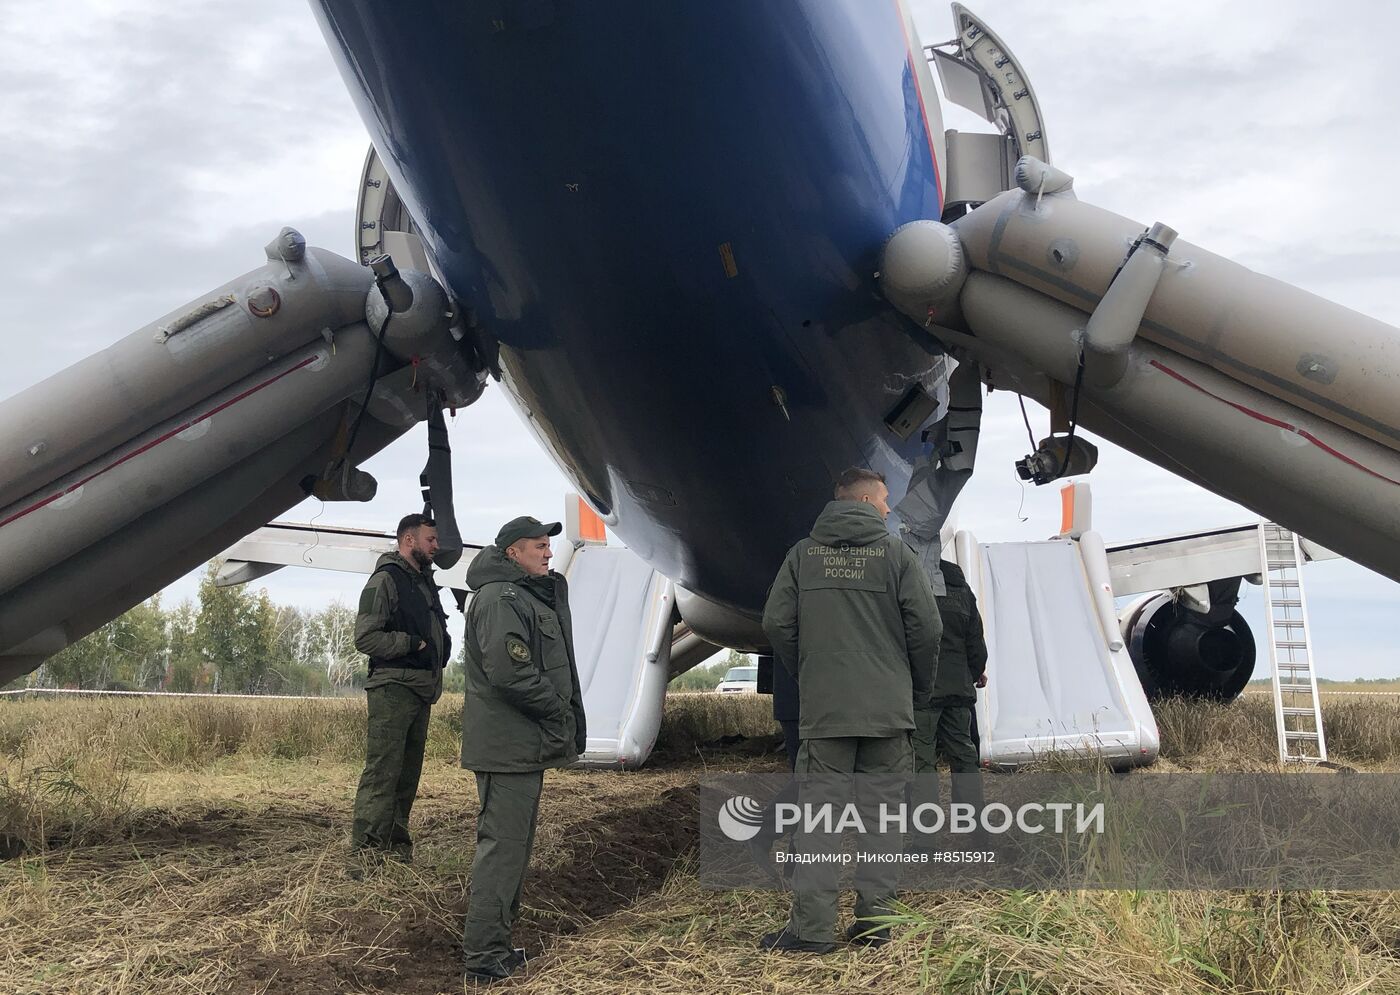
(1060, 680)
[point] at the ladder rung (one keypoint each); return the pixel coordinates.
(1283, 564)
(1299, 734)
(1298, 711)
(1294, 665)
(1295, 688)
(1292, 644)
(1282, 582)
(1287, 603)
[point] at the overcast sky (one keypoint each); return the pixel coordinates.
(151, 149)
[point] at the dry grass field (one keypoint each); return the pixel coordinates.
(1355, 688)
(162, 846)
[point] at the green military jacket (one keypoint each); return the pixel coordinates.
(962, 656)
(524, 708)
(378, 602)
(852, 617)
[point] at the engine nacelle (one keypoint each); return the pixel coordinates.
(1179, 652)
(720, 624)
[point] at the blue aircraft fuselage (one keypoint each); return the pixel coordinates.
(668, 214)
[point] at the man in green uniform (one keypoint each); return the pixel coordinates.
(402, 628)
(523, 714)
(945, 725)
(853, 619)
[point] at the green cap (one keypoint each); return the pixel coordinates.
(525, 527)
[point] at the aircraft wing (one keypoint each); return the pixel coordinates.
(1191, 558)
(289, 544)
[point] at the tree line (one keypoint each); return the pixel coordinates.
(708, 677)
(232, 640)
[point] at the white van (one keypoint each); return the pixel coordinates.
(739, 679)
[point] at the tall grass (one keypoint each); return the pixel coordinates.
(1363, 731)
(165, 733)
(147, 734)
(65, 802)
(1241, 735)
(65, 764)
(700, 718)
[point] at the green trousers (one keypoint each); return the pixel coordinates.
(394, 742)
(946, 730)
(819, 764)
(505, 834)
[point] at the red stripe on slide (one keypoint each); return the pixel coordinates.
(155, 442)
(1267, 420)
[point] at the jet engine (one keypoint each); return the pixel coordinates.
(1180, 650)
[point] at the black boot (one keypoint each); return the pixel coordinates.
(866, 934)
(783, 940)
(499, 970)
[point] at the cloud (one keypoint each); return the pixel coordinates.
(162, 147)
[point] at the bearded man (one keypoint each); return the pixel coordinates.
(402, 628)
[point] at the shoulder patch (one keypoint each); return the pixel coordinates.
(518, 651)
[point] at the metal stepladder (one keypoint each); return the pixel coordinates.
(1297, 713)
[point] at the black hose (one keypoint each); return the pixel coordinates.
(369, 389)
(1027, 419)
(1073, 416)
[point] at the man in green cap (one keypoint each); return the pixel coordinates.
(944, 726)
(523, 714)
(402, 628)
(853, 619)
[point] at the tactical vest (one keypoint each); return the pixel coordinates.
(414, 615)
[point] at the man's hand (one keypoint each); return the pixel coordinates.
(423, 644)
(981, 681)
